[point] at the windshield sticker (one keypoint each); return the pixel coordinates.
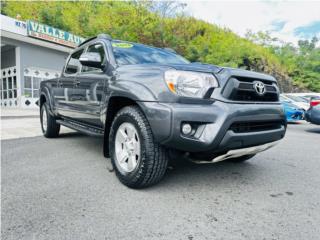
(122, 45)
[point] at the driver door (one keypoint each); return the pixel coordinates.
(89, 89)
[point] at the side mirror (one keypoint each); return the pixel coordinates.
(91, 59)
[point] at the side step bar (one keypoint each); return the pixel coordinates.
(89, 130)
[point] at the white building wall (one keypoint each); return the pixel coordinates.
(33, 60)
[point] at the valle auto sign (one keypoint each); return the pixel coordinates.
(51, 34)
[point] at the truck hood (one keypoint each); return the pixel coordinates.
(142, 78)
(197, 67)
(222, 72)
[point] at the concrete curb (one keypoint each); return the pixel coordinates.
(19, 113)
(16, 117)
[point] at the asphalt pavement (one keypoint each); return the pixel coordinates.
(63, 189)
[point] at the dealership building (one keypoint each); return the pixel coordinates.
(30, 53)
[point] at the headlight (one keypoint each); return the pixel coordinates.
(190, 84)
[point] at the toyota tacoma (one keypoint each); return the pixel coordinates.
(150, 104)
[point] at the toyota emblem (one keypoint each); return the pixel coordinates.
(259, 87)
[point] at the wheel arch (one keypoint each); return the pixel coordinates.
(45, 97)
(114, 104)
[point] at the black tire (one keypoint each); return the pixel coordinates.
(241, 159)
(153, 161)
(52, 129)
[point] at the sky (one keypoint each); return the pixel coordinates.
(286, 20)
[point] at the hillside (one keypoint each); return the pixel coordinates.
(295, 68)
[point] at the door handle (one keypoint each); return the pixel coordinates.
(76, 83)
(75, 98)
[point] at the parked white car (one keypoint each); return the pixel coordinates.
(306, 96)
(297, 100)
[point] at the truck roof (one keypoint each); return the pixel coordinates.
(103, 35)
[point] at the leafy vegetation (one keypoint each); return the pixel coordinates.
(163, 24)
(302, 63)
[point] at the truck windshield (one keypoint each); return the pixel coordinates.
(129, 53)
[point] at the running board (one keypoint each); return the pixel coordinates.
(86, 129)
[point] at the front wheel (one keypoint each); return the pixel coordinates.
(49, 126)
(137, 159)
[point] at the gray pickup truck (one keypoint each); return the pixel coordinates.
(150, 104)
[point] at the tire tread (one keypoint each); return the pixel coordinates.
(53, 128)
(155, 164)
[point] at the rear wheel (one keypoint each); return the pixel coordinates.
(49, 126)
(241, 159)
(137, 159)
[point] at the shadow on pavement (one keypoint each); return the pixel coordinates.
(295, 123)
(185, 174)
(71, 134)
(314, 130)
(217, 175)
(74, 135)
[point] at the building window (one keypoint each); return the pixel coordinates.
(31, 86)
(33, 76)
(8, 86)
(28, 86)
(27, 82)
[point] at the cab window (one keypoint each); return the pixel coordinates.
(74, 64)
(97, 48)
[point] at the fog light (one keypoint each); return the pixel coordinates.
(186, 128)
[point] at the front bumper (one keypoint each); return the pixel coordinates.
(213, 125)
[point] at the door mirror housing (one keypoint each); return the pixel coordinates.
(91, 59)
